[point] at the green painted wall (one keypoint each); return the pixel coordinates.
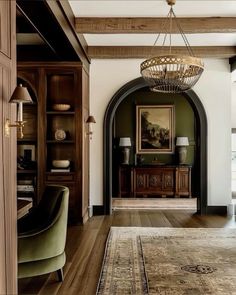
(125, 121)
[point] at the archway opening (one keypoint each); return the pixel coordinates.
(200, 172)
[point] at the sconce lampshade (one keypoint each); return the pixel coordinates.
(20, 94)
(182, 141)
(125, 141)
(91, 119)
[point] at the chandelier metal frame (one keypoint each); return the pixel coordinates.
(171, 73)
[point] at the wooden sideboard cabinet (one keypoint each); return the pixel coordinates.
(154, 181)
(125, 182)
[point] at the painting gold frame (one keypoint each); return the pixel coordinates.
(155, 129)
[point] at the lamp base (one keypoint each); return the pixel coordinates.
(182, 154)
(126, 153)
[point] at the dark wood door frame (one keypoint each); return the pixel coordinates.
(201, 142)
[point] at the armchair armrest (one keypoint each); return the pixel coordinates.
(46, 240)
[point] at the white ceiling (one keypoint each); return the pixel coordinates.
(158, 8)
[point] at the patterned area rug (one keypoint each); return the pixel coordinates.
(169, 261)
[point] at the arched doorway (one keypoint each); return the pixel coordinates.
(201, 142)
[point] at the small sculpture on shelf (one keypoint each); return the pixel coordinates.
(139, 160)
(60, 134)
(24, 163)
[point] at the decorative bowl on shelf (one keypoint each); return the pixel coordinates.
(61, 107)
(60, 163)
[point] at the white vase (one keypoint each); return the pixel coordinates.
(182, 154)
(126, 153)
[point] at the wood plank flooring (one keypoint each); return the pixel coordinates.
(85, 247)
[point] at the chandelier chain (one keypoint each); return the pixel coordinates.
(170, 30)
(163, 27)
(190, 51)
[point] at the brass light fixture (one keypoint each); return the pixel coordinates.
(89, 121)
(19, 96)
(168, 72)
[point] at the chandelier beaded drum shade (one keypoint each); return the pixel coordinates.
(172, 73)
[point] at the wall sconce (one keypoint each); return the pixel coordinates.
(89, 121)
(182, 143)
(19, 96)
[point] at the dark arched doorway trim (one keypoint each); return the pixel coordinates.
(201, 142)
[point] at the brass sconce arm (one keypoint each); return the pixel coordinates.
(18, 124)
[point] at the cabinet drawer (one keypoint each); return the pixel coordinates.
(61, 177)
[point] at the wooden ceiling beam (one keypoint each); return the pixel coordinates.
(149, 25)
(110, 52)
(63, 14)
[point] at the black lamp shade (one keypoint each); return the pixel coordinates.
(20, 94)
(90, 120)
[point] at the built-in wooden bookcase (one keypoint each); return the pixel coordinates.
(61, 134)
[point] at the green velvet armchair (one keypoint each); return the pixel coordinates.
(42, 235)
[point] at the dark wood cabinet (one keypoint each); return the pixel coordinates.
(154, 181)
(61, 134)
(125, 182)
(183, 182)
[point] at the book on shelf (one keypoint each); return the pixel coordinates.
(30, 199)
(60, 170)
(25, 188)
(25, 181)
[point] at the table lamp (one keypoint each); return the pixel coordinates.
(182, 143)
(125, 142)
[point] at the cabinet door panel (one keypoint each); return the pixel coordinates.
(140, 182)
(154, 180)
(5, 26)
(168, 180)
(184, 183)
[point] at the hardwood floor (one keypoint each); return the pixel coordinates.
(86, 244)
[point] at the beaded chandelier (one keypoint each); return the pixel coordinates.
(172, 73)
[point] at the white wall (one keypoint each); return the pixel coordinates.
(214, 90)
(233, 100)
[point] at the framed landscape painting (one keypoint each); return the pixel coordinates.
(155, 129)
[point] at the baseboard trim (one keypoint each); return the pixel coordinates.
(220, 210)
(98, 210)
